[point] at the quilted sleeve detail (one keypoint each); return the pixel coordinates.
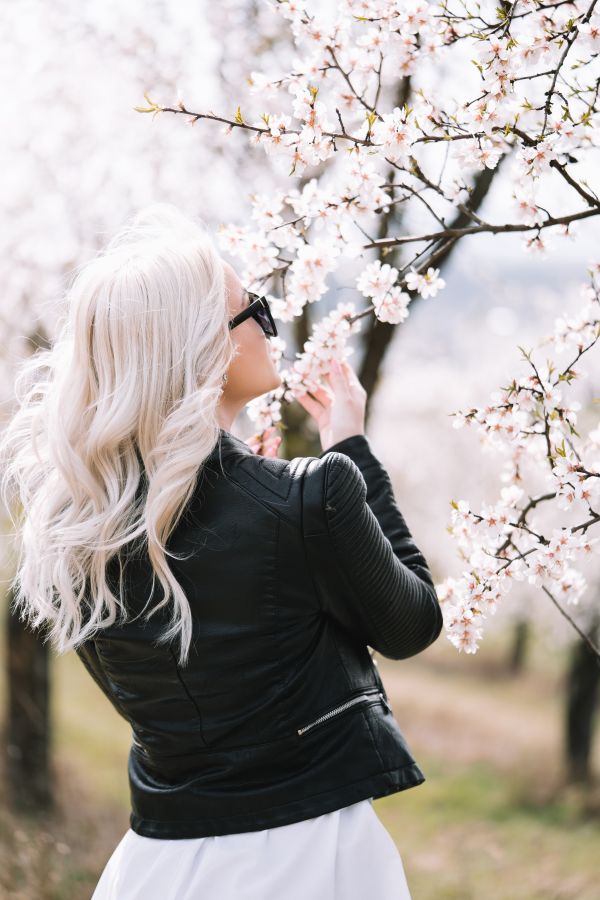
(371, 577)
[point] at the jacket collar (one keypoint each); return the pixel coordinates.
(228, 444)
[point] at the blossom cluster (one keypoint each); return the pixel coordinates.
(533, 98)
(384, 139)
(533, 424)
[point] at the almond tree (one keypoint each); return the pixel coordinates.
(401, 154)
(524, 86)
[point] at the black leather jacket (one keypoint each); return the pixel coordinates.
(295, 568)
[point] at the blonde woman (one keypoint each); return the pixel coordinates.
(224, 601)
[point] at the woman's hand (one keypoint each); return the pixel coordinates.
(267, 447)
(339, 408)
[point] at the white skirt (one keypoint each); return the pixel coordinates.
(347, 854)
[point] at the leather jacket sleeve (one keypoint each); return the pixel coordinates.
(371, 576)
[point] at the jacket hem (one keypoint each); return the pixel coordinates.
(380, 785)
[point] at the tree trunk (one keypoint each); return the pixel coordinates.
(377, 336)
(583, 677)
(27, 739)
(518, 650)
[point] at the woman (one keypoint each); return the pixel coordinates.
(261, 729)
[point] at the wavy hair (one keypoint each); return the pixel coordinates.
(113, 422)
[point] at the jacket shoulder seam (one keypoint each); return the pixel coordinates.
(290, 470)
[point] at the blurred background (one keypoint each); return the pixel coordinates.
(505, 737)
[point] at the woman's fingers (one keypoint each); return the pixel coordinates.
(323, 395)
(350, 372)
(348, 381)
(339, 378)
(271, 442)
(258, 440)
(315, 407)
(270, 448)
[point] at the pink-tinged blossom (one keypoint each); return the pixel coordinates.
(526, 210)
(483, 115)
(305, 281)
(566, 135)
(276, 348)
(266, 210)
(516, 571)
(396, 132)
(494, 522)
(456, 190)
(427, 284)
(535, 244)
(462, 617)
(537, 159)
(589, 34)
(403, 52)
(265, 410)
(309, 201)
(477, 153)
(393, 307)
(571, 587)
(376, 279)
(533, 401)
(361, 180)
(493, 51)
(375, 39)
(460, 420)
(260, 255)
(232, 238)
(413, 16)
(260, 83)
(328, 341)
(577, 331)
(533, 49)
(279, 122)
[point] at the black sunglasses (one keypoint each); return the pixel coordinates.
(260, 311)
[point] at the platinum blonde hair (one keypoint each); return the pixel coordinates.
(113, 423)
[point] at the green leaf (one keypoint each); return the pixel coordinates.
(152, 106)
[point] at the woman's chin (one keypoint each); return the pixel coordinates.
(271, 385)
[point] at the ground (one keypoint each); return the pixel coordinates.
(492, 821)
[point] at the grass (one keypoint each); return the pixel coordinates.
(474, 834)
(493, 820)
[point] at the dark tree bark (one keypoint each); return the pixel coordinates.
(27, 735)
(377, 335)
(518, 649)
(583, 678)
(27, 738)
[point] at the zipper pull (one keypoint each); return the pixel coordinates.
(386, 702)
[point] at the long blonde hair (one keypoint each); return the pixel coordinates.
(125, 398)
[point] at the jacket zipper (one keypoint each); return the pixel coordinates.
(367, 695)
(136, 743)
